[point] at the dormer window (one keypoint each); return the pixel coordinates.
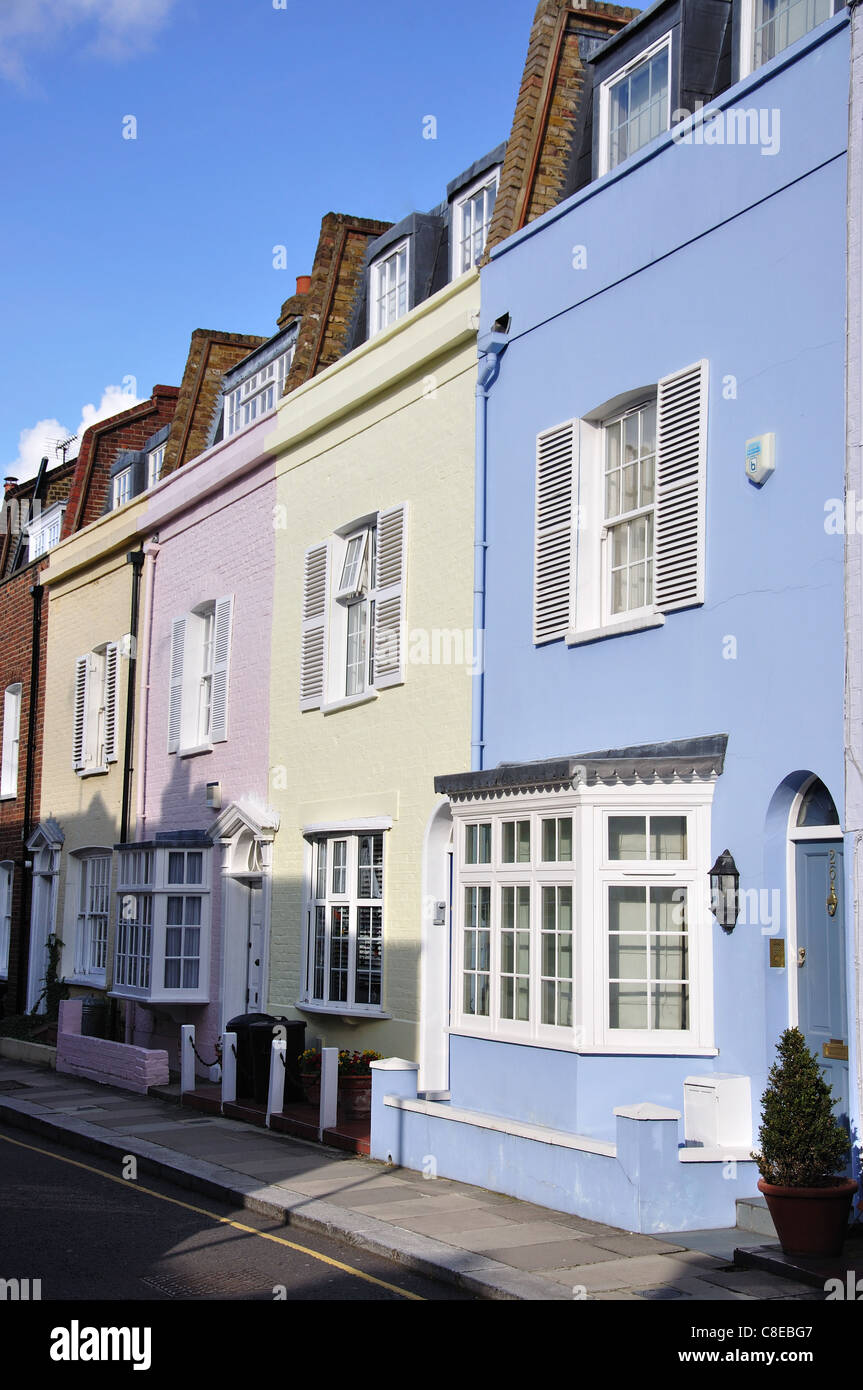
(44, 531)
(155, 461)
(122, 488)
(388, 297)
(634, 105)
(472, 219)
(257, 394)
(769, 26)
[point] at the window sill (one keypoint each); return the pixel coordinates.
(596, 634)
(87, 981)
(349, 701)
(350, 1015)
(9, 796)
(196, 751)
(93, 771)
(585, 1049)
(162, 998)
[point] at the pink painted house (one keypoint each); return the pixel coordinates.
(194, 886)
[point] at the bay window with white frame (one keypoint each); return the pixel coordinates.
(582, 919)
(163, 918)
(343, 970)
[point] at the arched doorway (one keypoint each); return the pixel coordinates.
(245, 832)
(818, 1002)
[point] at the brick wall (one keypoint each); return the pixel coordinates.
(130, 429)
(328, 307)
(211, 354)
(547, 110)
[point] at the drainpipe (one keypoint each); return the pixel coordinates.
(36, 593)
(136, 559)
(151, 553)
(491, 346)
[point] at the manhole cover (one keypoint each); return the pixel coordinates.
(208, 1285)
(660, 1293)
(15, 1086)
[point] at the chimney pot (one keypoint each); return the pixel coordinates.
(304, 284)
(9, 485)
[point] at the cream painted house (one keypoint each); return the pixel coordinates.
(371, 677)
(87, 780)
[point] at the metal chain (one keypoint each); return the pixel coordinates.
(217, 1060)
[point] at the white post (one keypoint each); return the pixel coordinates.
(229, 1068)
(329, 1089)
(187, 1058)
(276, 1093)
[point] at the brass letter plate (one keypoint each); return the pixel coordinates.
(836, 1050)
(777, 951)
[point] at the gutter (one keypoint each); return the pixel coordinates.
(37, 594)
(491, 346)
(135, 558)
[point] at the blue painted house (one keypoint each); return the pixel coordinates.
(660, 583)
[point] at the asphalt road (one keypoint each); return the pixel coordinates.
(72, 1221)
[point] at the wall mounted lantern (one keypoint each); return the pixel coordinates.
(724, 885)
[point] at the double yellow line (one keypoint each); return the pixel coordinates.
(222, 1220)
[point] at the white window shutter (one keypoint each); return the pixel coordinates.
(313, 657)
(221, 669)
(390, 582)
(680, 490)
(175, 704)
(553, 539)
(79, 743)
(112, 700)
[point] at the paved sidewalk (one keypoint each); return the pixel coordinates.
(489, 1244)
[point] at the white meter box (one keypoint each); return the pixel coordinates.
(760, 458)
(717, 1110)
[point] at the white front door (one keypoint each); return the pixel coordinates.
(255, 949)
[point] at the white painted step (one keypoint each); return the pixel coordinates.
(752, 1215)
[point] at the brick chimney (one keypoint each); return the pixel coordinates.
(9, 485)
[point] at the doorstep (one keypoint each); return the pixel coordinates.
(301, 1121)
(806, 1269)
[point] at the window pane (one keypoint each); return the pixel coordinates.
(628, 1006)
(321, 876)
(194, 867)
(668, 837)
(627, 908)
(626, 837)
(515, 842)
(627, 957)
(370, 866)
(340, 866)
(175, 868)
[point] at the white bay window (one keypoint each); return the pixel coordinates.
(582, 917)
(94, 907)
(163, 914)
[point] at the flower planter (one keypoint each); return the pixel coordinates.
(810, 1220)
(355, 1096)
(311, 1084)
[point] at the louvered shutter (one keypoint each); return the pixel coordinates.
(553, 571)
(390, 601)
(221, 669)
(175, 702)
(112, 700)
(79, 748)
(313, 656)
(680, 491)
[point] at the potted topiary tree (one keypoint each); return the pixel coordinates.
(803, 1147)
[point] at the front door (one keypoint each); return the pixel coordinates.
(823, 1014)
(255, 949)
(41, 926)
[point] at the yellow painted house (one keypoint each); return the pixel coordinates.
(373, 654)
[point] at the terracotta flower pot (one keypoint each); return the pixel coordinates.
(355, 1096)
(810, 1220)
(311, 1084)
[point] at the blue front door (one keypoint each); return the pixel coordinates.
(823, 1015)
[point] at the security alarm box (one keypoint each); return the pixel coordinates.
(760, 458)
(717, 1111)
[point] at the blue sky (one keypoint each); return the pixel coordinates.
(252, 122)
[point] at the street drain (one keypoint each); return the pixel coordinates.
(209, 1286)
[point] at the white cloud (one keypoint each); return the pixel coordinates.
(110, 28)
(41, 439)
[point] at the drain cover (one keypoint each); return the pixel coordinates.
(659, 1293)
(206, 1286)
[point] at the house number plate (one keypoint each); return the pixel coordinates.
(835, 1049)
